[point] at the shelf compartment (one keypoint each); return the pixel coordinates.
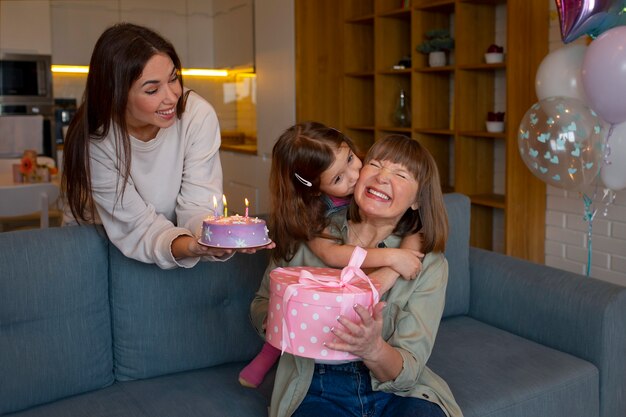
(444, 6)
(362, 136)
(438, 16)
(475, 98)
(428, 113)
(387, 92)
(489, 200)
(386, 130)
(358, 49)
(406, 71)
(483, 134)
(439, 147)
(392, 41)
(358, 9)
(444, 69)
(482, 66)
(393, 11)
(481, 227)
(470, 50)
(441, 132)
(474, 168)
(358, 106)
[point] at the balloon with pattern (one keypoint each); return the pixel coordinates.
(560, 140)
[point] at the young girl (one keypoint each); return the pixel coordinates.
(314, 171)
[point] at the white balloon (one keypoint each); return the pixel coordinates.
(560, 73)
(613, 171)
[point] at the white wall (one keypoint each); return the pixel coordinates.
(566, 231)
(276, 102)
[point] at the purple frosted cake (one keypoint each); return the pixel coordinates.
(234, 232)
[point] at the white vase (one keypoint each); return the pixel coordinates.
(495, 127)
(437, 59)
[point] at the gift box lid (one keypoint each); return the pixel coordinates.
(325, 286)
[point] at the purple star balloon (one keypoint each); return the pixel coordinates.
(589, 17)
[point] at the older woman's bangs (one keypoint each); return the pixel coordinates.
(398, 150)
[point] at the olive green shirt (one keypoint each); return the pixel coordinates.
(411, 321)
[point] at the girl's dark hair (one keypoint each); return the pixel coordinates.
(117, 61)
(431, 218)
(297, 214)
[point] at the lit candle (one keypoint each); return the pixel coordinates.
(246, 200)
(214, 206)
(225, 208)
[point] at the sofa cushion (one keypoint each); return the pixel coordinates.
(457, 254)
(167, 321)
(55, 333)
(493, 373)
(211, 392)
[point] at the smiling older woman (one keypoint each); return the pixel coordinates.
(398, 193)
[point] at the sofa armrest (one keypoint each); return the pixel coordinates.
(569, 312)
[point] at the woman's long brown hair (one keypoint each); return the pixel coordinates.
(117, 61)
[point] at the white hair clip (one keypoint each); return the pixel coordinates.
(302, 180)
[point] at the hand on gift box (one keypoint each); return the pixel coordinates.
(362, 339)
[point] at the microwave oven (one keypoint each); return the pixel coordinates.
(25, 79)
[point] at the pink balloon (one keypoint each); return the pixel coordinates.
(604, 75)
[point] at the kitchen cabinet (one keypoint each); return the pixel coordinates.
(25, 26)
(199, 34)
(76, 26)
(233, 30)
(206, 34)
(165, 16)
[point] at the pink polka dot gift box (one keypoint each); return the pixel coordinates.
(306, 301)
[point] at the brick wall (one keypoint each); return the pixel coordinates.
(566, 230)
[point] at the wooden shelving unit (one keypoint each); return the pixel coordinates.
(448, 104)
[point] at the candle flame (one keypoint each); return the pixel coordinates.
(246, 200)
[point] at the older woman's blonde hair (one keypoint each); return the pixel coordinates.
(431, 218)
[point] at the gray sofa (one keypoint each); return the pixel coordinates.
(85, 331)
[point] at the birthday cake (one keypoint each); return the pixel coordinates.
(234, 232)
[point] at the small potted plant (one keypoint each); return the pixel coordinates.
(436, 44)
(494, 54)
(495, 122)
(29, 170)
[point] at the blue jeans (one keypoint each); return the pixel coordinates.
(346, 391)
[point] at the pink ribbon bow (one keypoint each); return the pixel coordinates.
(351, 273)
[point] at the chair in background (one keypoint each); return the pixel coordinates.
(28, 199)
